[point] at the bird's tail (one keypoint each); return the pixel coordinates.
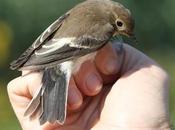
(51, 101)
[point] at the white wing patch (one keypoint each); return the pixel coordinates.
(54, 45)
(79, 46)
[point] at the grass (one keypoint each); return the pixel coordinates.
(8, 120)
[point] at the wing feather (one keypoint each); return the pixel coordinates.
(45, 36)
(87, 44)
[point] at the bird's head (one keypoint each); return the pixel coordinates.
(123, 21)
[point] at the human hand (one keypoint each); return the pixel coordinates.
(136, 104)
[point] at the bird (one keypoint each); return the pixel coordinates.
(60, 50)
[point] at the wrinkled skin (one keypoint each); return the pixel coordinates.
(123, 91)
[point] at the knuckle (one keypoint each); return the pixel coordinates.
(161, 75)
(10, 86)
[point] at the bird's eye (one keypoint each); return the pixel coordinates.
(119, 23)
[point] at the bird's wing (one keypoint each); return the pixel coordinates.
(49, 56)
(57, 50)
(44, 37)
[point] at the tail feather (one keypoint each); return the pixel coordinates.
(50, 102)
(55, 97)
(34, 104)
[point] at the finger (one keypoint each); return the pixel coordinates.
(140, 92)
(18, 93)
(107, 61)
(133, 97)
(33, 81)
(75, 98)
(93, 107)
(25, 72)
(21, 90)
(88, 79)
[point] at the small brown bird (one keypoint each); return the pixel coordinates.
(63, 46)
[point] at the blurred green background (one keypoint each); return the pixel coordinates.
(21, 21)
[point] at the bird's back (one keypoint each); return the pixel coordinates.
(85, 18)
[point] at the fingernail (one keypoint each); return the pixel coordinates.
(111, 66)
(74, 98)
(93, 83)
